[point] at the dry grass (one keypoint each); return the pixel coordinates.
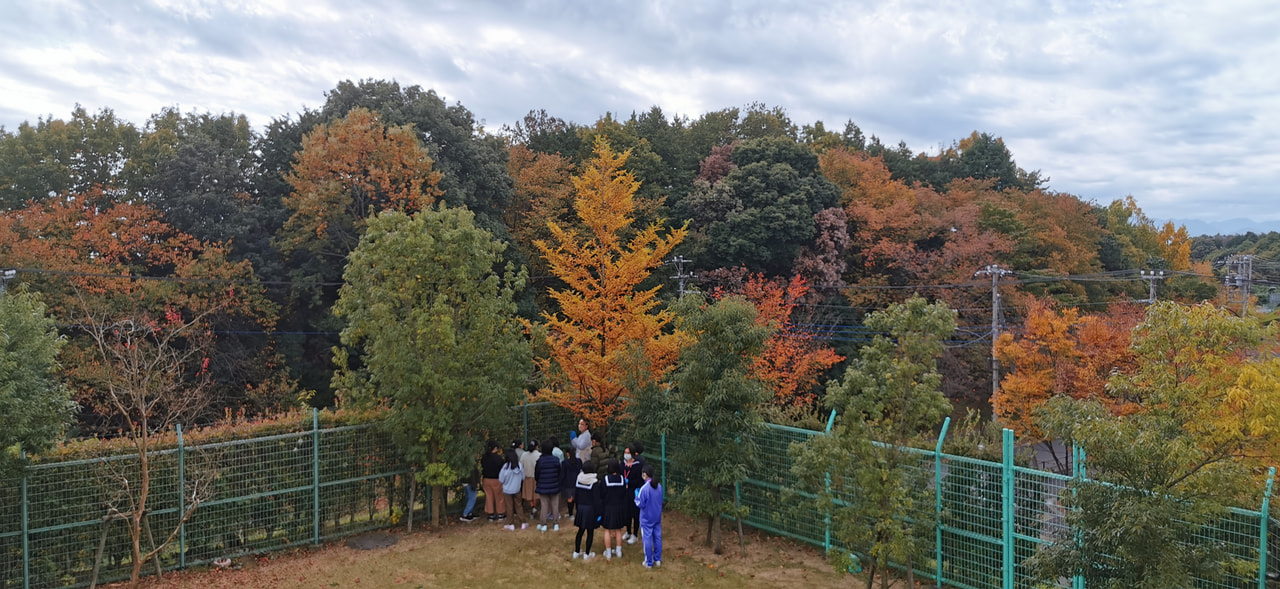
(482, 554)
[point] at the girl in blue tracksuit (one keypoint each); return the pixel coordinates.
(649, 500)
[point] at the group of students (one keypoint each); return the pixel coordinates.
(596, 490)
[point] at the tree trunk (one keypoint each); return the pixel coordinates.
(139, 508)
(911, 575)
(717, 537)
(710, 522)
(871, 574)
(437, 506)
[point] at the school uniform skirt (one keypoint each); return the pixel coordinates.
(527, 490)
(586, 517)
(615, 517)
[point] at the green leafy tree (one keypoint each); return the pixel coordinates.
(892, 393)
(55, 156)
(34, 404)
(714, 401)
(1136, 521)
(765, 210)
(439, 345)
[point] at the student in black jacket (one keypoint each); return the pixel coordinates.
(587, 497)
(632, 467)
(570, 469)
(490, 466)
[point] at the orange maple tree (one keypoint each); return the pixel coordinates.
(88, 254)
(1062, 353)
(608, 337)
(349, 170)
(792, 359)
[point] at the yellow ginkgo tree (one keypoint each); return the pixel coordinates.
(609, 335)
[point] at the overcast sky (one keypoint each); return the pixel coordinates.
(1175, 103)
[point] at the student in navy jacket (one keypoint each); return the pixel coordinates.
(546, 481)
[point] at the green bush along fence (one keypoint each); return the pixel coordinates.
(305, 487)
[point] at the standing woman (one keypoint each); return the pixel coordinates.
(546, 476)
(529, 463)
(582, 441)
(618, 502)
(631, 470)
(490, 466)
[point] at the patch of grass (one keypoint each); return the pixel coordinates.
(482, 554)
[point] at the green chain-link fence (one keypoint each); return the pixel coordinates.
(303, 487)
(257, 495)
(991, 516)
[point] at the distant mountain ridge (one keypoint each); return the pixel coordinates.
(1228, 227)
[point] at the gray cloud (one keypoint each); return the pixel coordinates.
(1174, 103)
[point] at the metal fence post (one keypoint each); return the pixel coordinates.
(664, 461)
(1077, 475)
(315, 474)
(524, 417)
(1007, 508)
(26, 525)
(1262, 534)
(937, 499)
(182, 502)
(826, 519)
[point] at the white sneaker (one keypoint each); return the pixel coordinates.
(626, 536)
(509, 527)
(617, 551)
(557, 527)
(524, 526)
(542, 527)
(631, 540)
(589, 556)
(657, 563)
(577, 555)
(608, 554)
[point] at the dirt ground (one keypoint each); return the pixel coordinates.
(482, 554)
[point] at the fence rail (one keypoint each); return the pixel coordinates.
(313, 485)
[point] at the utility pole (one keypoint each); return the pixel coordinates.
(679, 262)
(1151, 277)
(995, 272)
(1239, 279)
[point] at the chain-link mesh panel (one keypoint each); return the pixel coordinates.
(767, 494)
(538, 421)
(972, 548)
(1038, 517)
(251, 495)
(1237, 537)
(360, 482)
(256, 496)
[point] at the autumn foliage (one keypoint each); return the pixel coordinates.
(87, 254)
(793, 359)
(608, 336)
(1060, 352)
(349, 170)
